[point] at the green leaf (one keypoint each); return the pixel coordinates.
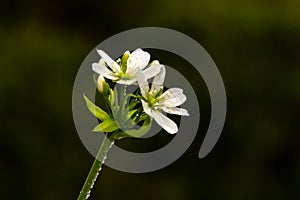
(107, 126)
(95, 110)
(142, 131)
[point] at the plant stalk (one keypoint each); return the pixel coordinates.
(95, 169)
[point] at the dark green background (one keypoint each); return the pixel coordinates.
(256, 46)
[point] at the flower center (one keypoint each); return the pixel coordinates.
(151, 101)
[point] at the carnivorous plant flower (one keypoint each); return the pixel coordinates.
(123, 71)
(155, 101)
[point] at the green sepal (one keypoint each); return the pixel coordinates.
(142, 131)
(130, 113)
(141, 117)
(119, 135)
(129, 122)
(133, 103)
(115, 97)
(111, 97)
(95, 110)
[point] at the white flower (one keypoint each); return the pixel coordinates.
(155, 101)
(124, 71)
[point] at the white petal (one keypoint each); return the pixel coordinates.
(110, 62)
(146, 108)
(173, 102)
(103, 71)
(171, 93)
(152, 70)
(102, 62)
(172, 97)
(165, 122)
(127, 82)
(138, 59)
(111, 77)
(143, 84)
(99, 68)
(176, 111)
(158, 80)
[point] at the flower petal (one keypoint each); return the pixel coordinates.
(127, 82)
(171, 93)
(99, 68)
(138, 59)
(143, 84)
(158, 80)
(172, 97)
(173, 102)
(103, 71)
(146, 108)
(102, 62)
(110, 62)
(160, 119)
(164, 122)
(152, 70)
(176, 111)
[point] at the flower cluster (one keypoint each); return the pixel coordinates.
(148, 103)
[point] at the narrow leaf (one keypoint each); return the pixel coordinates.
(95, 110)
(107, 126)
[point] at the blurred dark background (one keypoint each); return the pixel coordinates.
(256, 46)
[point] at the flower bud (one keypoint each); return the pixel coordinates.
(102, 86)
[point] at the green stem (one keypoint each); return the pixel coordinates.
(96, 167)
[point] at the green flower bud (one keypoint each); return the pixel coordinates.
(124, 61)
